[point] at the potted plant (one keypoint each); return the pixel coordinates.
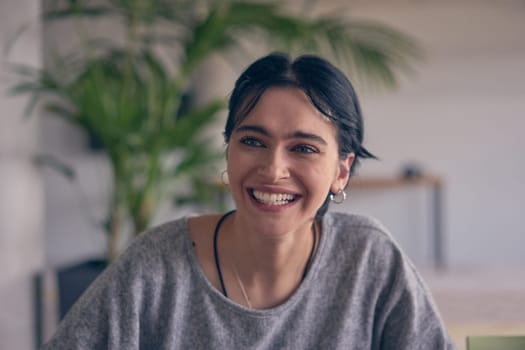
(128, 94)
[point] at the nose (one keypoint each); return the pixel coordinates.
(274, 166)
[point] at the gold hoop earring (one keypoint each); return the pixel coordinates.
(224, 178)
(339, 197)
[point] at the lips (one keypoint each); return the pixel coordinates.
(272, 198)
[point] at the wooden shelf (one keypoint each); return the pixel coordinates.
(384, 182)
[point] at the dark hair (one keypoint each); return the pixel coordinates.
(326, 86)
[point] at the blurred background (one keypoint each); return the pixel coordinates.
(449, 185)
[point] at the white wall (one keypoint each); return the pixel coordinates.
(21, 216)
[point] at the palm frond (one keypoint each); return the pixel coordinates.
(52, 162)
(193, 122)
(78, 11)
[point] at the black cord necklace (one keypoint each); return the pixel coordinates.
(216, 252)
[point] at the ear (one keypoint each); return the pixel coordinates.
(343, 173)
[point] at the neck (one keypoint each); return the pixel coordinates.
(271, 253)
(270, 267)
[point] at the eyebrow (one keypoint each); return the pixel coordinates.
(297, 134)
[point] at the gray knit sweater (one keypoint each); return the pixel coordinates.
(361, 292)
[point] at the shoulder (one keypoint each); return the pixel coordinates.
(356, 229)
(404, 306)
(341, 220)
(128, 291)
(363, 244)
(176, 246)
(159, 238)
(162, 246)
(369, 248)
(156, 257)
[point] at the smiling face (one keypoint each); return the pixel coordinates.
(283, 160)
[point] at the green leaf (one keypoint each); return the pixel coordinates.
(198, 156)
(190, 124)
(59, 110)
(46, 160)
(88, 12)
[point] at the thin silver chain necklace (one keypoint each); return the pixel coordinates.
(239, 281)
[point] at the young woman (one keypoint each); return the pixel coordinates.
(279, 272)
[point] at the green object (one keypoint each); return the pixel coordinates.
(128, 93)
(496, 343)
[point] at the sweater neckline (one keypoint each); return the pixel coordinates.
(219, 299)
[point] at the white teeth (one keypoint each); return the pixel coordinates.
(273, 198)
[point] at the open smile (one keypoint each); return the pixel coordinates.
(272, 198)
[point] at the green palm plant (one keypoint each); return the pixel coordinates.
(128, 93)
